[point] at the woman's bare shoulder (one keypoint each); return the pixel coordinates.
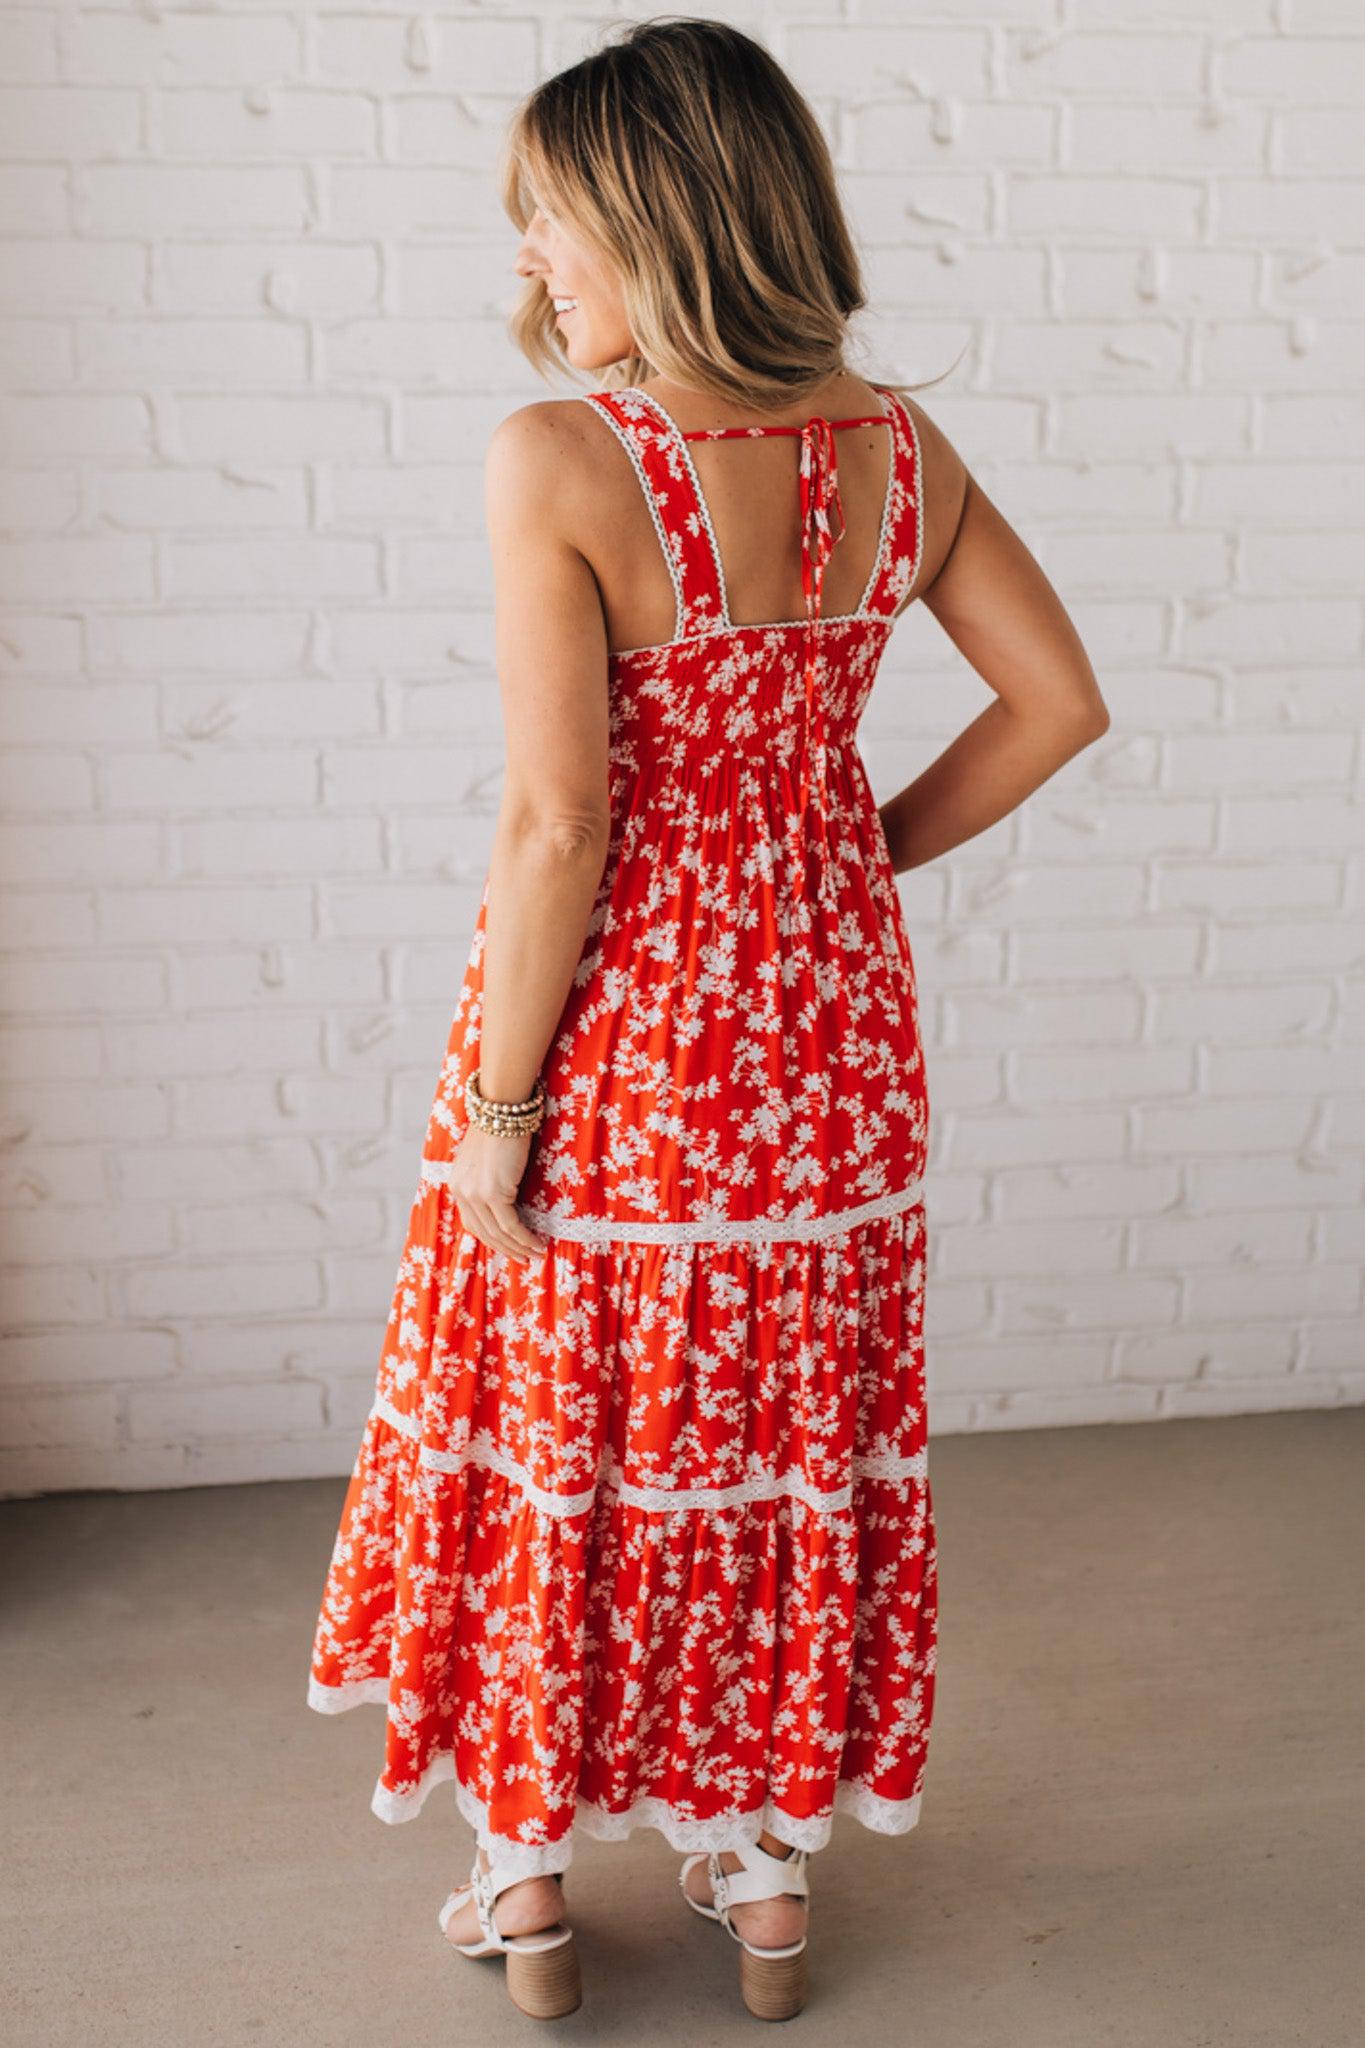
(554, 452)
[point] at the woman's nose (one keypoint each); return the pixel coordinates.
(528, 258)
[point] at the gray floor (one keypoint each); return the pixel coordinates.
(1142, 1824)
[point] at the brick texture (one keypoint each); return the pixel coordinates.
(251, 291)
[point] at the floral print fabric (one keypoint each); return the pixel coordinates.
(641, 1534)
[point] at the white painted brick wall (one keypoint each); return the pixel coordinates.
(251, 299)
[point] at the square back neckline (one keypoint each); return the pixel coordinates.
(727, 624)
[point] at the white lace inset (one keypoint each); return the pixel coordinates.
(702, 1230)
(483, 1452)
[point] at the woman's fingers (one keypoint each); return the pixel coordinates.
(511, 1234)
(525, 1239)
(500, 1229)
(478, 1222)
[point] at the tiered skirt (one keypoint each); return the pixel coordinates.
(641, 1534)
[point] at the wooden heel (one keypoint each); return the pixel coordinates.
(545, 1983)
(773, 1987)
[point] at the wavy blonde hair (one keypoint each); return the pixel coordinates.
(685, 156)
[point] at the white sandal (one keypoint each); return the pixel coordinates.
(772, 1981)
(543, 1978)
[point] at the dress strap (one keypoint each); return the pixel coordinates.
(903, 541)
(672, 490)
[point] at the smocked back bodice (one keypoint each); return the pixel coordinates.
(783, 691)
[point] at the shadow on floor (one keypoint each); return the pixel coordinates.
(1141, 1825)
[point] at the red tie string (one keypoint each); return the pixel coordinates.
(819, 496)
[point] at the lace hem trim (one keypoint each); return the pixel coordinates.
(702, 1230)
(680, 1830)
(482, 1451)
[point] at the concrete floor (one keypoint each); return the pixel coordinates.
(1142, 1824)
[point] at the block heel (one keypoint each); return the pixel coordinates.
(545, 1984)
(773, 1987)
(543, 1976)
(772, 1981)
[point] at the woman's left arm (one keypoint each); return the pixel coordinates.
(550, 843)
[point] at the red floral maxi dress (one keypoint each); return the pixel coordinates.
(640, 1533)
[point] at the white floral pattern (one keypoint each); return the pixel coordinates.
(641, 1534)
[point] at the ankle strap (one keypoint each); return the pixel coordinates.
(764, 1876)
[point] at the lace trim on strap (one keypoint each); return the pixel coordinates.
(702, 1230)
(906, 430)
(727, 625)
(632, 448)
(759, 1486)
(682, 1831)
(888, 499)
(913, 432)
(670, 427)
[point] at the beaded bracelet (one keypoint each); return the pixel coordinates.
(505, 1119)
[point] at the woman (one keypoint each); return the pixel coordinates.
(640, 1530)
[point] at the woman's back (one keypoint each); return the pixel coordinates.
(749, 489)
(743, 1019)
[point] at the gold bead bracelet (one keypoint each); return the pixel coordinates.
(505, 1119)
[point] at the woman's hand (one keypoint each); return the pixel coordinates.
(485, 1175)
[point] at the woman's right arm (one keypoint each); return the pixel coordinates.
(997, 607)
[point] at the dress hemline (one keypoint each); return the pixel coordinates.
(682, 1832)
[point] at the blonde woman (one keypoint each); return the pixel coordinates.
(640, 1531)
